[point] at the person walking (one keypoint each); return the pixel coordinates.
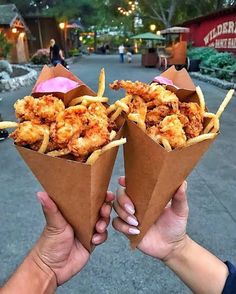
(56, 55)
(121, 50)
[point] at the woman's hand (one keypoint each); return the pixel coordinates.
(58, 248)
(166, 235)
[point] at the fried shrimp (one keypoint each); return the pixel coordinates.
(172, 129)
(29, 133)
(69, 122)
(82, 145)
(192, 120)
(24, 108)
(47, 108)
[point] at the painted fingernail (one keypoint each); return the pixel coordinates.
(96, 239)
(185, 186)
(129, 208)
(132, 221)
(134, 231)
(40, 198)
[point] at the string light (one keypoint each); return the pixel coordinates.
(132, 6)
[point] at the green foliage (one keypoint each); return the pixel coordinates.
(73, 52)
(220, 60)
(5, 46)
(40, 57)
(201, 53)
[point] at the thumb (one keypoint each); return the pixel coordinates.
(53, 216)
(179, 204)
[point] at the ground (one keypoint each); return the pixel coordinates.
(113, 267)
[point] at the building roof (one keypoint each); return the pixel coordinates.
(225, 11)
(8, 14)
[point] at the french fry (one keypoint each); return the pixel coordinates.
(95, 155)
(87, 98)
(216, 126)
(45, 142)
(111, 108)
(209, 114)
(57, 153)
(200, 138)
(201, 99)
(122, 105)
(114, 144)
(112, 135)
(136, 118)
(166, 144)
(8, 124)
(116, 114)
(101, 83)
(219, 111)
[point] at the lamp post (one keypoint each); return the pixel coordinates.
(63, 27)
(153, 27)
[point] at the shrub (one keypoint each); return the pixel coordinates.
(41, 57)
(73, 52)
(220, 60)
(5, 46)
(5, 66)
(201, 53)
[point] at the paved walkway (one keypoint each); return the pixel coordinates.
(113, 267)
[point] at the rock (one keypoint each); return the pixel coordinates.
(6, 67)
(4, 75)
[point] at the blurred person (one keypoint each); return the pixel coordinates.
(129, 54)
(56, 55)
(168, 241)
(121, 50)
(58, 255)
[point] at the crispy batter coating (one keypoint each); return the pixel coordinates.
(48, 107)
(148, 92)
(28, 133)
(68, 122)
(156, 115)
(94, 138)
(24, 108)
(192, 119)
(138, 106)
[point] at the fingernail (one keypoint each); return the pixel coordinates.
(134, 231)
(129, 208)
(96, 239)
(185, 186)
(40, 198)
(132, 221)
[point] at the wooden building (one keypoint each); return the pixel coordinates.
(217, 30)
(16, 31)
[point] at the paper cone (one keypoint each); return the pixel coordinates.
(153, 174)
(78, 189)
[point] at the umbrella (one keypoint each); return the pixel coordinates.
(175, 30)
(148, 36)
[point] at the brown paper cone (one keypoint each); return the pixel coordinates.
(78, 189)
(153, 174)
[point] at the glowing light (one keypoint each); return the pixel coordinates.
(14, 30)
(21, 35)
(62, 25)
(152, 27)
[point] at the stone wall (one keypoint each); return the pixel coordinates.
(14, 83)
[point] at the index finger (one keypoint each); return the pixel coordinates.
(124, 201)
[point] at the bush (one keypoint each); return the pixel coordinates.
(5, 46)
(220, 60)
(41, 57)
(201, 53)
(73, 52)
(5, 66)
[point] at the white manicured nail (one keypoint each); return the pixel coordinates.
(129, 208)
(134, 231)
(132, 221)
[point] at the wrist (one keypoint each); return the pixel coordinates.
(45, 274)
(178, 251)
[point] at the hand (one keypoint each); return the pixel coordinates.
(166, 235)
(58, 248)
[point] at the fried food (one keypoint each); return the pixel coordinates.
(48, 107)
(166, 119)
(24, 108)
(192, 118)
